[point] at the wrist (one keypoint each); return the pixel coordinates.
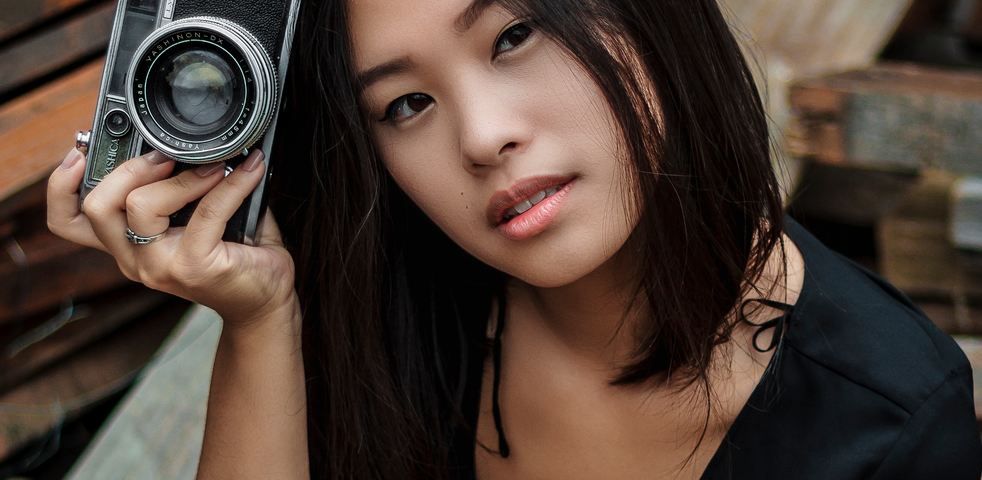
(275, 321)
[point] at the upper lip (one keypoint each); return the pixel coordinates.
(502, 200)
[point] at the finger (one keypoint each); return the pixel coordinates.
(271, 231)
(148, 208)
(106, 203)
(207, 225)
(65, 219)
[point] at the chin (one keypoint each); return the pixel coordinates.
(550, 274)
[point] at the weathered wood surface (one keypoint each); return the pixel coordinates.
(819, 36)
(38, 405)
(39, 271)
(38, 129)
(892, 116)
(966, 213)
(20, 15)
(157, 430)
(49, 49)
(915, 251)
(847, 195)
(973, 25)
(77, 325)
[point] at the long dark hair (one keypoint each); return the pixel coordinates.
(392, 306)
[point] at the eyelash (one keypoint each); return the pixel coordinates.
(402, 102)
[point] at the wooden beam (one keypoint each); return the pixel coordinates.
(19, 15)
(38, 129)
(52, 48)
(892, 116)
(68, 388)
(125, 448)
(72, 329)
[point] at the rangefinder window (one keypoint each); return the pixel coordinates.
(143, 6)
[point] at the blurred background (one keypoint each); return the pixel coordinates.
(876, 111)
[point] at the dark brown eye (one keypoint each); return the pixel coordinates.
(512, 37)
(406, 106)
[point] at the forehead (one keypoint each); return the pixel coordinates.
(381, 29)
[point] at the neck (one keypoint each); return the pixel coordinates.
(593, 317)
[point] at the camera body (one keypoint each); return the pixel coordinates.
(198, 80)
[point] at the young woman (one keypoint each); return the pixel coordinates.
(531, 239)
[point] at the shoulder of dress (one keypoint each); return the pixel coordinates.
(858, 326)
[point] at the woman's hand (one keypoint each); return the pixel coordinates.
(244, 284)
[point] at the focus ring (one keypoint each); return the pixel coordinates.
(258, 73)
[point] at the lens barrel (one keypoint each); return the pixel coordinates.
(201, 90)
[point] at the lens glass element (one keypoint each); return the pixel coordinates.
(196, 92)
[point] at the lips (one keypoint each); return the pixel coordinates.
(528, 206)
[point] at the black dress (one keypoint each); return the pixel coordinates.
(862, 386)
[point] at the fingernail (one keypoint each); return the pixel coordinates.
(253, 161)
(209, 168)
(71, 159)
(156, 157)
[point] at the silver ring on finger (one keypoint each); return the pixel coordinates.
(135, 239)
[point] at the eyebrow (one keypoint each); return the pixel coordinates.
(378, 72)
(464, 21)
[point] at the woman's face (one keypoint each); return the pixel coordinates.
(499, 136)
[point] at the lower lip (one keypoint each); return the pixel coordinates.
(537, 218)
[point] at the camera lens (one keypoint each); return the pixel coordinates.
(117, 123)
(195, 92)
(201, 90)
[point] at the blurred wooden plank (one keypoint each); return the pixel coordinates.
(28, 198)
(915, 252)
(849, 196)
(973, 27)
(157, 433)
(42, 270)
(68, 388)
(953, 318)
(71, 329)
(52, 48)
(819, 36)
(18, 15)
(892, 116)
(38, 129)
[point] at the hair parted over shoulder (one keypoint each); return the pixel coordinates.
(392, 306)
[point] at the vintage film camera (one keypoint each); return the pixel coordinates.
(199, 80)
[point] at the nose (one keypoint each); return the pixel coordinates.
(492, 127)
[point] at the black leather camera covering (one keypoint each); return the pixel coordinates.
(263, 18)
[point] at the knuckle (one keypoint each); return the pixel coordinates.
(96, 207)
(136, 203)
(182, 182)
(212, 210)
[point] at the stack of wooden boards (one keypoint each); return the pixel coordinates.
(73, 329)
(892, 147)
(897, 148)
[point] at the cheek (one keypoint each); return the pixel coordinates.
(436, 188)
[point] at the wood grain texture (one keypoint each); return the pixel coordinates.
(914, 250)
(156, 434)
(71, 386)
(50, 49)
(38, 129)
(74, 328)
(20, 15)
(891, 116)
(51, 270)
